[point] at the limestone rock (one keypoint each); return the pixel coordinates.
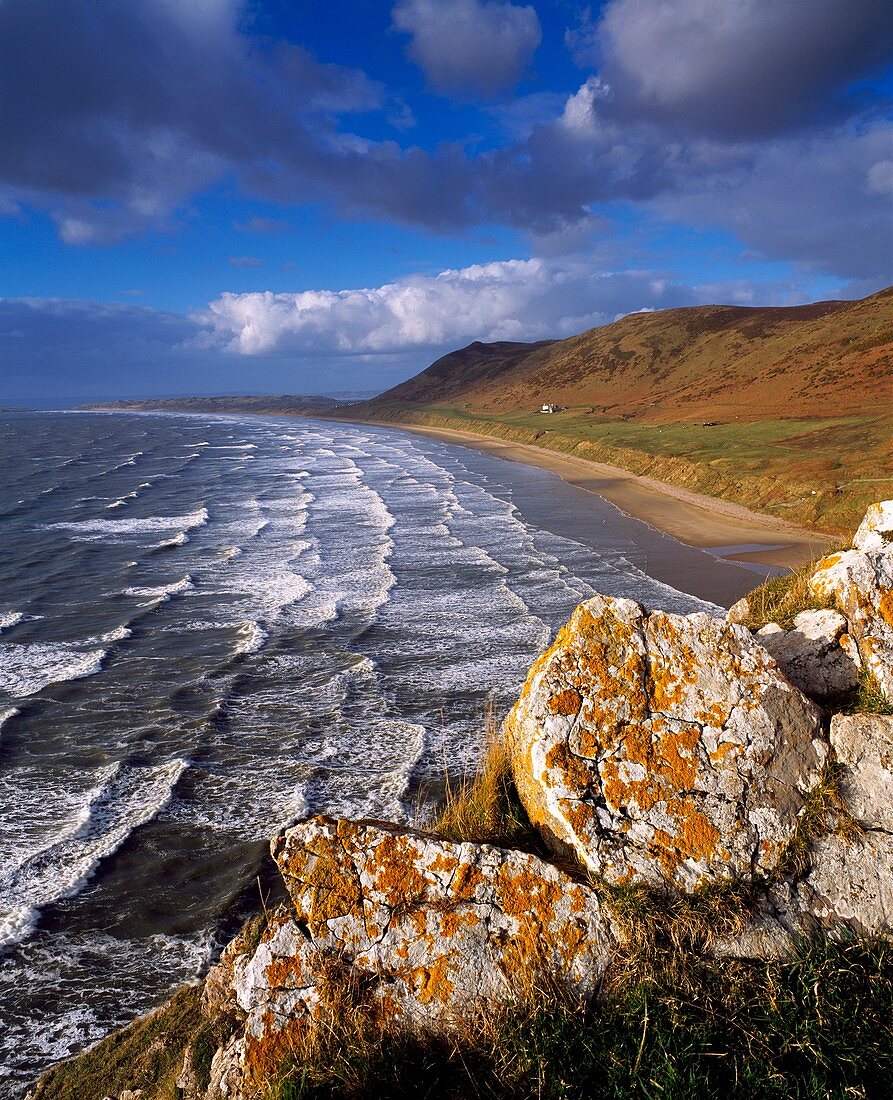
(875, 532)
(864, 747)
(452, 925)
(850, 880)
(861, 582)
(661, 748)
(739, 612)
(811, 655)
(422, 930)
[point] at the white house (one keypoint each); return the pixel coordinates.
(550, 408)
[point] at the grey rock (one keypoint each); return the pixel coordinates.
(811, 655)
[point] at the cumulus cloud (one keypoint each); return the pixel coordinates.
(328, 341)
(469, 47)
(507, 300)
(737, 68)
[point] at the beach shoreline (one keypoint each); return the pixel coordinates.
(728, 531)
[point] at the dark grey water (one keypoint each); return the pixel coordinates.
(213, 626)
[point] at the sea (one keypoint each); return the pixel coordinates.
(212, 627)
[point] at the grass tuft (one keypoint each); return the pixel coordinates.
(869, 697)
(824, 811)
(781, 599)
(485, 808)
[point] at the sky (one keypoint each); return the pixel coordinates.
(264, 196)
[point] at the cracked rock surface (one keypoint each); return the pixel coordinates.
(860, 580)
(850, 880)
(663, 749)
(816, 655)
(427, 929)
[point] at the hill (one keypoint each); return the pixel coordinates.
(783, 409)
(716, 361)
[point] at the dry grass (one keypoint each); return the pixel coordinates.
(781, 599)
(484, 808)
(147, 1054)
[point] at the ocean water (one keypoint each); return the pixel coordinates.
(211, 627)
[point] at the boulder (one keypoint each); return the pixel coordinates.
(414, 929)
(860, 580)
(663, 749)
(850, 878)
(811, 654)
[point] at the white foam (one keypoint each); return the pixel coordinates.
(124, 798)
(134, 526)
(5, 715)
(251, 638)
(10, 618)
(117, 635)
(121, 501)
(163, 591)
(169, 544)
(27, 669)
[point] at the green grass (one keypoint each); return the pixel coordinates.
(731, 442)
(815, 1028)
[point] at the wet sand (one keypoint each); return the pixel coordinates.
(724, 529)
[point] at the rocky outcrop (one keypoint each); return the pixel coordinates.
(663, 749)
(416, 930)
(860, 580)
(817, 654)
(850, 878)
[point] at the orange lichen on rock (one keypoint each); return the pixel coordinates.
(442, 926)
(565, 702)
(672, 707)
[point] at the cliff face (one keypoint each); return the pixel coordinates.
(657, 756)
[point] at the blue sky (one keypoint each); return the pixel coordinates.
(235, 196)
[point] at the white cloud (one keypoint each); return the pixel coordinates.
(509, 300)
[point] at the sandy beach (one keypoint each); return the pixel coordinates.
(726, 529)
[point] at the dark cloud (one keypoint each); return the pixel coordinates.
(469, 48)
(115, 116)
(139, 105)
(739, 68)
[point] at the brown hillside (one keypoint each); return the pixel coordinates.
(472, 367)
(704, 362)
